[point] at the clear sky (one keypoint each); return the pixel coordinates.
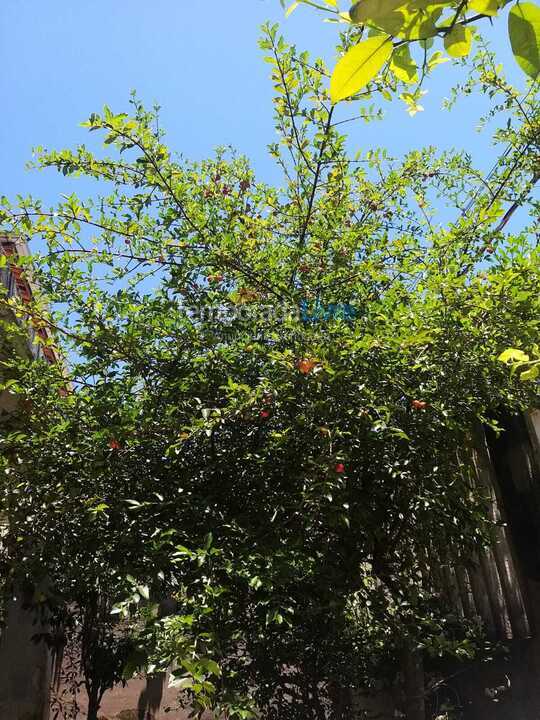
(200, 61)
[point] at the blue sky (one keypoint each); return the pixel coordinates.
(200, 61)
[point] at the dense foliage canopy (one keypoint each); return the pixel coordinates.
(264, 394)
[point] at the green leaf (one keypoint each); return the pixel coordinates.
(524, 31)
(255, 582)
(513, 355)
(401, 19)
(436, 59)
(486, 7)
(213, 667)
(458, 42)
(358, 66)
(403, 66)
(390, 12)
(291, 8)
(144, 591)
(99, 508)
(531, 373)
(180, 683)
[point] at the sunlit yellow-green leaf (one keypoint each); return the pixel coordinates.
(530, 374)
(389, 12)
(292, 7)
(436, 59)
(403, 66)
(410, 20)
(524, 30)
(411, 100)
(513, 355)
(458, 42)
(422, 24)
(358, 66)
(486, 7)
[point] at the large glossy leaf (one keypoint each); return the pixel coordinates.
(358, 66)
(458, 41)
(524, 30)
(409, 20)
(388, 12)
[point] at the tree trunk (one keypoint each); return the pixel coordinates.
(413, 681)
(93, 704)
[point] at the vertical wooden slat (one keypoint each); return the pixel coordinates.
(481, 599)
(501, 617)
(532, 422)
(455, 590)
(510, 583)
(465, 592)
(500, 571)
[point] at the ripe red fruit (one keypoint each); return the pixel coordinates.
(419, 404)
(265, 414)
(244, 185)
(306, 366)
(340, 468)
(114, 444)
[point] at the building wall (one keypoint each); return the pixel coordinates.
(25, 665)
